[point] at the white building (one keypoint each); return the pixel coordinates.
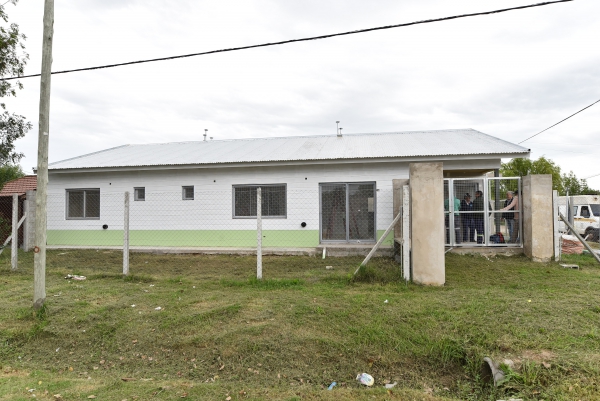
(315, 189)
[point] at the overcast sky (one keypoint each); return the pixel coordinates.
(509, 75)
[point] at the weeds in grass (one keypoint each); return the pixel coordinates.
(266, 284)
(380, 273)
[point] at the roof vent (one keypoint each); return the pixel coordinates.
(205, 133)
(338, 129)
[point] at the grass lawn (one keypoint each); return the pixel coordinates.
(222, 335)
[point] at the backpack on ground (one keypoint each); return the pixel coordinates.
(497, 238)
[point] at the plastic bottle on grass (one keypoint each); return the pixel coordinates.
(366, 379)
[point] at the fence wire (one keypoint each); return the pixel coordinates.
(482, 212)
(220, 219)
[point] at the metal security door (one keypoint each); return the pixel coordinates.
(347, 212)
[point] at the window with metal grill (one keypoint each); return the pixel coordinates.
(274, 201)
(83, 204)
(187, 192)
(139, 193)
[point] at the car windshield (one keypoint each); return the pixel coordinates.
(595, 209)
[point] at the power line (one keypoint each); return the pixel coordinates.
(591, 176)
(297, 40)
(587, 107)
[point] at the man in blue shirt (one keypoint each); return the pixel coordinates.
(457, 236)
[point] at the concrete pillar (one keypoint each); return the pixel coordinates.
(538, 229)
(29, 223)
(427, 223)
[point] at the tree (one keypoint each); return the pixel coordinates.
(523, 167)
(560, 182)
(10, 172)
(12, 63)
(577, 187)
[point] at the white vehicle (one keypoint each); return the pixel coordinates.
(585, 212)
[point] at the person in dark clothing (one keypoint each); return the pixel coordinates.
(466, 205)
(478, 215)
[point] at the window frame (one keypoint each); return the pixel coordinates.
(587, 209)
(183, 189)
(85, 191)
(136, 197)
(255, 186)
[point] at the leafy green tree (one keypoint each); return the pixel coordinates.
(10, 172)
(560, 182)
(12, 63)
(576, 186)
(523, 167)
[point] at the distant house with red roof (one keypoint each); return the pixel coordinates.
(19, 186)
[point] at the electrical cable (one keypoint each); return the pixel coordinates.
(587, 107)
(295, 40)
(591, 176)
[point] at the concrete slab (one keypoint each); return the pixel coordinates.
(486, 251)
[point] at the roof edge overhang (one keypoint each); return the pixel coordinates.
(292, 163)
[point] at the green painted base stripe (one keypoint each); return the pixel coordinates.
(191, 238)
(389, 240)
(186, 238)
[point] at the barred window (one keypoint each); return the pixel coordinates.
(139, 194)
(274, 200)
(187, 192)
(83, 204)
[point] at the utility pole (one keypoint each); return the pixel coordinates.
(39, 258)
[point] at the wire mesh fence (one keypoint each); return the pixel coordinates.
(220, 218)
(482, 212)
(6, 217)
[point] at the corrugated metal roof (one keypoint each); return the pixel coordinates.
(300, 148)
(19, 186)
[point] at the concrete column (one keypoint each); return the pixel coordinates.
(29, 223)
(538, 231)
(427, 223)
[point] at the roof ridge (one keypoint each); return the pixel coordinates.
(290, 137)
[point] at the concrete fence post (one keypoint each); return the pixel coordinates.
(427, 223)
(406, 267)
(126, 235)
(537, 212)
(555, 221)
(259, 233)
(14, 256)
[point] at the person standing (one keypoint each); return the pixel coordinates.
(478, 216)
(509, 217)
(456, 218)
(468, 225)
(514, 206)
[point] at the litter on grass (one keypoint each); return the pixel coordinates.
(491, 372)
(158, 308)
(331, 386)
(391, 385)
(75, 277)
(366, 379)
